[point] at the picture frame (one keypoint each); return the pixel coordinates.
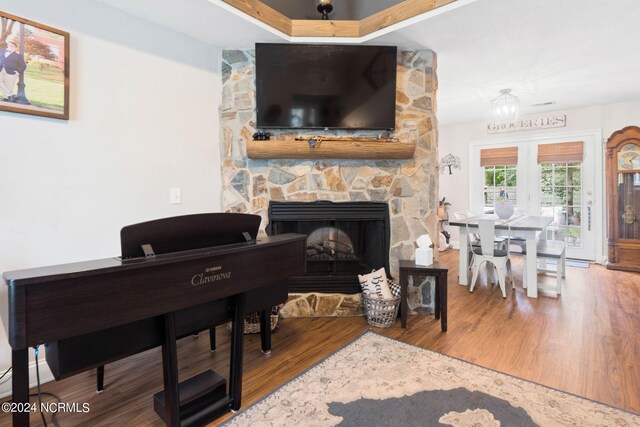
(34, 68)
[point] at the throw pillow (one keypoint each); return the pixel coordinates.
(375, 285)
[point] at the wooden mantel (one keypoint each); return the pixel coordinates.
(330, 149)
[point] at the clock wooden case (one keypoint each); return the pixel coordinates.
(623, 199)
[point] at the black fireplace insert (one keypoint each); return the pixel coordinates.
(344, 239)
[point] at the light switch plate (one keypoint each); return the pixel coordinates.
(174, 196)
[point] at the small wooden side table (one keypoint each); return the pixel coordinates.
(409, 267)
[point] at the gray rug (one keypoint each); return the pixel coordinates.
(378, 381)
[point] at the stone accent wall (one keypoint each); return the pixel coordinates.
(410, 187)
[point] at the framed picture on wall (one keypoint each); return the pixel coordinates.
(34, 68)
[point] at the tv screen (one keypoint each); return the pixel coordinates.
(302, 86)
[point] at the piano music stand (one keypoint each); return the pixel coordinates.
(196, 231)
(188, 232)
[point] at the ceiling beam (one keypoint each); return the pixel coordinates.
(324, 28)
(399, 12)
(263, 13)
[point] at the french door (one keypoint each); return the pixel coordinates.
(564, 190)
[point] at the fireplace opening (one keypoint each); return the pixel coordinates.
(344, 239)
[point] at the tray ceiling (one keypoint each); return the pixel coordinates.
(343, 9)
(374, 21)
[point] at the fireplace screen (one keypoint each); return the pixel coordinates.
(330, 244)
(343, 240)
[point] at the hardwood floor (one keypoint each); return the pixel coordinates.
(585, 342)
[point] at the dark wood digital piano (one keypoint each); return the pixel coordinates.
(199, 271)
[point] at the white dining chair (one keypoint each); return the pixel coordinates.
(496, 259)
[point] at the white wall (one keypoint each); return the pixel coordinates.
(455, 139)
(144, 118)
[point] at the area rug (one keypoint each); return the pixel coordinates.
(378, 381)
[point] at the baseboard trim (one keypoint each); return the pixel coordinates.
(45, 377)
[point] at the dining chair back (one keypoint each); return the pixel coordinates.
(487, 230)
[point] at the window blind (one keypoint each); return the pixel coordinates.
(561, 152)
(507, 156)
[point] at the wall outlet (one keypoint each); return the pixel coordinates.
(174, 196)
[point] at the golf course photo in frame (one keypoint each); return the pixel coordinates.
(34, 68)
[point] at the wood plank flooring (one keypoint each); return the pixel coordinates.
(585, 342)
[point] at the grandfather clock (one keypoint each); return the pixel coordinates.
(623, 199)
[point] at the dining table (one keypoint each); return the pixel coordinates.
(528, 227)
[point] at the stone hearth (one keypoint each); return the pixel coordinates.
(322, 305)
(408, 186)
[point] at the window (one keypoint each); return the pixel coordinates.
(499, 182)
(499, 167)
(561, 198)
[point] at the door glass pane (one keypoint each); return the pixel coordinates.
(573, 175)
(560, 176)
(574, 237)
(574, 215)
(561, 198)
(546, 196)
(547, 211)
(576, 196)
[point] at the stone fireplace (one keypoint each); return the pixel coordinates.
(407, 187)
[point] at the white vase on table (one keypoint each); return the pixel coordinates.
(504, 209)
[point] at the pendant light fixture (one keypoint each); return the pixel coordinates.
(505, 107)
(325, 7)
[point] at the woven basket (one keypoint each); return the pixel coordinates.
(252, 321)
(381, 313)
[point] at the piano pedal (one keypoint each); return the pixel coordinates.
(199, 398)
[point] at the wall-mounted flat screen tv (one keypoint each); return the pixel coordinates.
(303, 86)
